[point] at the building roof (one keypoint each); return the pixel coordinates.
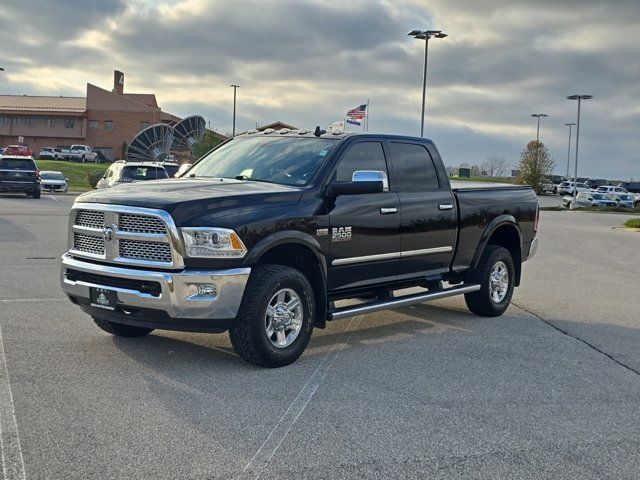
(166, 117)
(276, 126)
(33, 103)
(148, 99)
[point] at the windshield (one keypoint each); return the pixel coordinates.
(132, 173)
(284, 160)
(600, 196)
(51, 176)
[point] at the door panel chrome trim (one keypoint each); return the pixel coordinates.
(385, 211)
(445, 206)
(391, 255)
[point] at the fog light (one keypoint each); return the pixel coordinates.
(206, 290)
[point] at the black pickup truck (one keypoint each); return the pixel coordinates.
(269, 232)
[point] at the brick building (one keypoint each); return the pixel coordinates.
(103, 119)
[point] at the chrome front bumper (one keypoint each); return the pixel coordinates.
(178, 295)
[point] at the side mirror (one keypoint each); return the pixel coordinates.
(371, 176)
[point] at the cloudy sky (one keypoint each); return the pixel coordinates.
(307, 62)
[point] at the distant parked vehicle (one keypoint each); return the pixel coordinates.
(631, 187)
(549, 187)
(101, 157)
(51, 153)
(588, 200)
(19, 174)
(606, 189)
(80, 153)
(183, 168)
(623, 200)
(20, 150)
(566, 188)
(53, 181)
(127, 172)
(171, 167)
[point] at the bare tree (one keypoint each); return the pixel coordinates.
(495, 166)
(476, 171)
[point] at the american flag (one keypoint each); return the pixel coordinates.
(356, 115)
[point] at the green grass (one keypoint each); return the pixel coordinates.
(632, 223)
(75, 172)
(482, 179)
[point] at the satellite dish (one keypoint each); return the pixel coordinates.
(187, 132)
(151, 145)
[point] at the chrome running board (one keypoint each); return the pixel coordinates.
(376, 306)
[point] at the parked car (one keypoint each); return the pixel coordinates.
(588, 200)
(595, 183)
(264, 249)
(171, 167)
(183, 168)
(127, 172)
(53, 181)
(549, 187)
(606, 189)
(631, 187)
(19, 174)
(566, 188)
(623, 200)
(80, 153)
(51, 153)
(20, 150)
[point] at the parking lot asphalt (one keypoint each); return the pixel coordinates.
(549, 390)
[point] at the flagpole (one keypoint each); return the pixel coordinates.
(366, 117)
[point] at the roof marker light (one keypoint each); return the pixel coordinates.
(268, 131)
(252, 131)
(282, 131)
(303, 131)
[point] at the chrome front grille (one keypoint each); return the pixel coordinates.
(90, 218)
(124, 235)
(147, 251)
(140, 223)
(88, 244)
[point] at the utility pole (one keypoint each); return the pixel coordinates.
(569, 148)
(235, 88)
(575, 172)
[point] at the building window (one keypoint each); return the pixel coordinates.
(51, 123)
(4, 121)
(29, 122)
(15, 121)
(93, 124)
(108, 126)
(144, 125)
(69, 123)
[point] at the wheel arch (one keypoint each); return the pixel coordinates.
(505, 232)
(302, 252)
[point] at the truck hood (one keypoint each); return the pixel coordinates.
(190, 198)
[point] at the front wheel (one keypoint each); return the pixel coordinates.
(275, 321)
(121, 330)
(496, 275)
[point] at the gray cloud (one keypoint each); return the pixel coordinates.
(307, 62)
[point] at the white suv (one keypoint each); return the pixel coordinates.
(566, 188)
(611, 189)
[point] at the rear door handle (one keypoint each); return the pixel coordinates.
(386, 211)
(445, 206)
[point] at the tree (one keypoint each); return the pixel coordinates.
(210, 140)
(535, 165)
(495, 167)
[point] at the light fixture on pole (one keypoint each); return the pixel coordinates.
(235, 87)
(569, 147)
(539, 116)
(425, 35)
(575, 172)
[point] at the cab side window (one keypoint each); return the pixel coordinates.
(361, 156)
(415, 167)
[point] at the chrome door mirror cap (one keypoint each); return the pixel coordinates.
(371, 176)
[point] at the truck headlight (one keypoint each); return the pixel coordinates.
(207, 242)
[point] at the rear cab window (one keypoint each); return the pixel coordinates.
(132, 173)
(415, 167)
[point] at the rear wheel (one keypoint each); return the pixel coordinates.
(496, 275)
(275, 321)
(120, 330)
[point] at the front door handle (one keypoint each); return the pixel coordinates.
(445, 206)
(386, 211)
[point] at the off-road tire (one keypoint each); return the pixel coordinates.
(248, 335)
(480, 302)
(121, 330)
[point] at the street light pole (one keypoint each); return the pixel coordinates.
(539, 116)
(235, 87)
(569, 147)
(425, 35)
(575, 172)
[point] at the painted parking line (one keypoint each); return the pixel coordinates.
(267, 450)
(12, 461)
